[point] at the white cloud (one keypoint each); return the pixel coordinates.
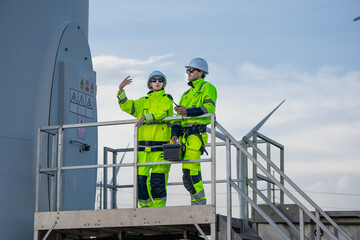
(315, 186)
(112, 69)
(343, 183)
(112, 62)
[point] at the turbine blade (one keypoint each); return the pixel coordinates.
(259, 125)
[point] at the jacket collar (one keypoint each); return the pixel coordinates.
(157, 93)
(196, 83)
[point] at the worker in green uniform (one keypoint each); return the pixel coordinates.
(198, 100)
(152, 179)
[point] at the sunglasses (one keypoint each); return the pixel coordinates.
(191, 70)
(157, 79)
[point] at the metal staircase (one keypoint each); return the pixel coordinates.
(190, 222)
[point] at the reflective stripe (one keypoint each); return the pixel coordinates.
(160, 199)
(198, 196)
(201, 86)
(202, 202)
(186, 92)
(209, 101)
(145, 201)
(122, 101)
(133, 109)
(204, 109)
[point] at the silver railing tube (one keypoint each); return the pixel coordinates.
(60, 155)
(53, 182)
(135, 181)
(293, 198)
(228, 190)
(308, 199)
(37, 177)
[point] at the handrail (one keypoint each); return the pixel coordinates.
(228, 142)
(59, 131)
(292, 197)
(303, 194)
(254, 205)
(292, 226)
(117, 122)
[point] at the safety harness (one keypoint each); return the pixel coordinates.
(195, 130)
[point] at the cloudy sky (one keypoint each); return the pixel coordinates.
(259, 53)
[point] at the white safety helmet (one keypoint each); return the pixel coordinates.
(199, 63)
(156, 73)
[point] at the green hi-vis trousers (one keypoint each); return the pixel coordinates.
(192, 171)
(152, 179)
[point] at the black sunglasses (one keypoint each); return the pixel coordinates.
(191, 70)
(157, 79)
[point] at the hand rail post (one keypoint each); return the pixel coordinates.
(105, 188)
(213, 171)
(59, 166)
(301, 223)
(268, 167)
(228, 189)
(135, 193)
(114, 189)
(37, 179)
(53, 165)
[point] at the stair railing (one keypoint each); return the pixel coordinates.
(302, 209)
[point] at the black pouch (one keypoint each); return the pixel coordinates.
(173, 152)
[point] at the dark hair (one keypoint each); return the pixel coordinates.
(203, 75)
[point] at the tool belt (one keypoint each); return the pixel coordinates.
(195, 130)
(150, 146)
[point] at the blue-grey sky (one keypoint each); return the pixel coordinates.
(259, 53)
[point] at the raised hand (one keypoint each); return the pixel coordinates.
(124, 83)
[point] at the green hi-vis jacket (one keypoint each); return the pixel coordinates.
(202, 95)
(155, 107)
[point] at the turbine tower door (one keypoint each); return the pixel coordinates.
(73, 100)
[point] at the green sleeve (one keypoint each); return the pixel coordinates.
(133, 107)
(209, 98)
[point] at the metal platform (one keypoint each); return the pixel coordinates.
(136, 221)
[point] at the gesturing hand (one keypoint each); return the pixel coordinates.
(125, 82)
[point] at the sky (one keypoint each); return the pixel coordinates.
(259, 53)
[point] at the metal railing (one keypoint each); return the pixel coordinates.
(279, 183)
(241, 184)
(57, 168)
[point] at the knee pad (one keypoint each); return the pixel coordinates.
(188, 183)
(142, 188)
(158, 185)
